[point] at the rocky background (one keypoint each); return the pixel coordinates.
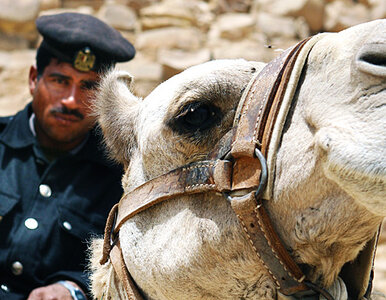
(171, 35)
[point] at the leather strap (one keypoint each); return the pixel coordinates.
(265, 242)
(116, 257)
(265, 128)
(199, 177)
(257, 115)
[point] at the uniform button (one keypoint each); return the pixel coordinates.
(17, 268)
(67, 225)
(1, 218)
(45, 190)
(4, 288)
(31, 223)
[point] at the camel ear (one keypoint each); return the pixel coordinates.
(116, 109)
(125, 77)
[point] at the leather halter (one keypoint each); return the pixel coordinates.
(237, 169)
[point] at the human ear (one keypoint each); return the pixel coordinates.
(32, 79)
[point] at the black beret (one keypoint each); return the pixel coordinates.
(83, 40)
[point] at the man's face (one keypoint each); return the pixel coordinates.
(61, 103)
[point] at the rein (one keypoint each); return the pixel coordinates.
(238, 170)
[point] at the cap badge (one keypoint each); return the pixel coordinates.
(84, 60)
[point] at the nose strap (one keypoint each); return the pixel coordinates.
(198, 177)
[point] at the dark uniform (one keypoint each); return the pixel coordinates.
(50, 208)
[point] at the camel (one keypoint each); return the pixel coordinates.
(326, 184)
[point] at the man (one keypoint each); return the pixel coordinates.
(56, 185)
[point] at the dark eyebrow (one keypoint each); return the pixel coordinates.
(58, 75)
(90, 84)
(89, 81)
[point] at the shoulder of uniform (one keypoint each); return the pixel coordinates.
(4, 121)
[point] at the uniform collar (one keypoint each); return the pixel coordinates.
(19, 134)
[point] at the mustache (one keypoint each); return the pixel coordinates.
(65, 111)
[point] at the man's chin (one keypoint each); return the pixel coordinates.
(63, 141)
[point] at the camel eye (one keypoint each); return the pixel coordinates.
(196, 117)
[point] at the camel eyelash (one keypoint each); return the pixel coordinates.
(195, 118)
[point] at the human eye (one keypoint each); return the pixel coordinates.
(58, 80)
(89, 85)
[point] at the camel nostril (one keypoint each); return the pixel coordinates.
(374, 59)
(371, 59)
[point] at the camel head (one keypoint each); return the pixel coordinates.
(328, 190)
(178, 123)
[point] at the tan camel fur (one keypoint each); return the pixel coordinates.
(329, 186)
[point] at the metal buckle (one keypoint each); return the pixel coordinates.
(263, 178)
(263, 174)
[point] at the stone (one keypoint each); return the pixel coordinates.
(173, 13)
(148, 23)
(17, 19)
(311, 10)
(49, 4)
(247, 49)
(162, 15)
(14, 68)
(94, 4)
(18, 34)
(19, 11)
(119, 16)
(377, 9)
(81, 9)
(175, 61)
(137, 5)
(169, 38)
(226, 6)
(12, 41)
(287, 27)
(341, 15)
(232, 26)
